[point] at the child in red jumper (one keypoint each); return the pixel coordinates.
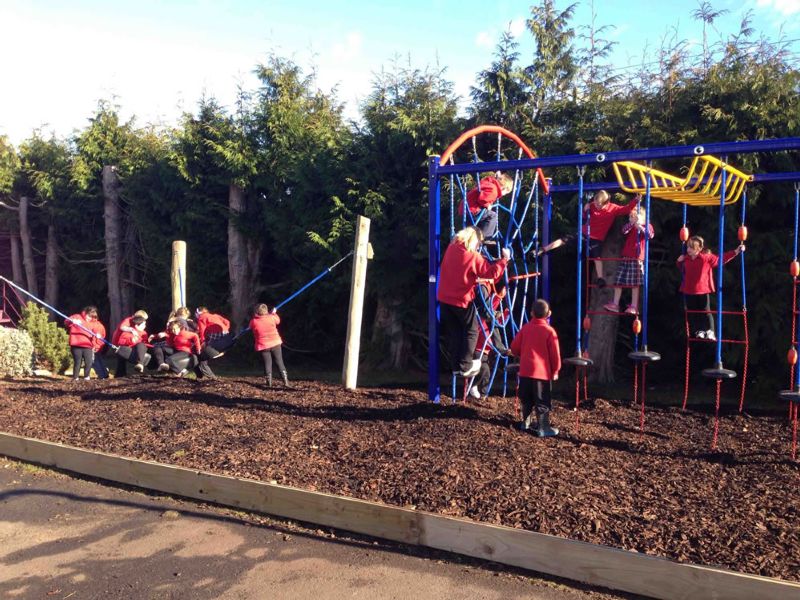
(268, 342)
(186, 347)
(697, 266)
(131, 340)
(536, 345)
(81, 341)
(462, 266)
(98, 344)
(483, 198)
(630, 272)
(600, 213)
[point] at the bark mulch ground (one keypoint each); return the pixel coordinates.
(662, 493)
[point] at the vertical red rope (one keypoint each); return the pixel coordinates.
(517, 414)
(585, 385)
(644, 389)
(794, 339)
(746, 356)
(688, 356)
(716, 417)
(577, 399)
(793, 409)
(635, 382)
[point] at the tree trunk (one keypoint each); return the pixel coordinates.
(51, 267)
(389, 340)
(130, 271)
(16, 259)
(27, 246)
(603, 334)
(241, 257)
(113, 233)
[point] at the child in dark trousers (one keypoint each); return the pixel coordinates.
(536, 345)
(698, 266)
(268, 342)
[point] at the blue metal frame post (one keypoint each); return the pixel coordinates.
(579, 298)
(434, 251)
(646, 290)
(548, 214)
(721, 249)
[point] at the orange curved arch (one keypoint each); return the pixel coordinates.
(493, 129)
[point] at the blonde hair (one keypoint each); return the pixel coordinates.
(602, 197)
(140, 313)
(261, 309)
(181, 313)
(469, 237)
(696, 239)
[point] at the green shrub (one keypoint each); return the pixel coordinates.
(50, 342)
(16, 352)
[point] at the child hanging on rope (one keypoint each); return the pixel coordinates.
(536, 345)
(125, 326)
(481, 200)
(697, 266)
(460, 270)
(81, 341)
(185, 346)
(268, 342)
(630, 272)
(600, 215)
(132, 345)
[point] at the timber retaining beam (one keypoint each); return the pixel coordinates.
(579, 561)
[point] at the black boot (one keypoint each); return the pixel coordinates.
(544, 429)
(285, 377)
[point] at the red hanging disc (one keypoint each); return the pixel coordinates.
(684, 234)
(791, 356)
(637, 326)
(587, 323)
(794, 268)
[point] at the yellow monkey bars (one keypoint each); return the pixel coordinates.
(700, 187)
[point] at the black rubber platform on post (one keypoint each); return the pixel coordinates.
(790, 395)
(578, 361)
(644, 356)
(719, 373)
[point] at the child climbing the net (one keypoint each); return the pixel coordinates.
(481, 202)
(697, 266)
(630, 272)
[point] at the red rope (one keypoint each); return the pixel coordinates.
(793, 409)
(744, 367)
(644, 389)
(577, 400)
(794, 339)
(688, 356)
(585, 385)
(635, 382)
(516, 401)
(716, 417)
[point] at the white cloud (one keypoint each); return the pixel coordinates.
(784, 7)
(517, 27)
(484, 39)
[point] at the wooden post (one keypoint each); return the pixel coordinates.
(357, 288)
(178, 274)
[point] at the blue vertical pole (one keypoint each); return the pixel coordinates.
(721, 249)
(646, 290)
(434, 251)
(547, 216)
(579, 264)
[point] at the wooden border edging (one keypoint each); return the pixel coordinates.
(579, 561)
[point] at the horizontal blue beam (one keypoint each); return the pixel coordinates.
(602, 159)
(613, 185)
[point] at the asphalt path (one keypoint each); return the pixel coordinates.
(65, 537)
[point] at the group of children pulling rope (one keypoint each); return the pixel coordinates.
(185, 344)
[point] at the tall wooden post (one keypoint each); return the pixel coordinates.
(178, 274)
(357, 288)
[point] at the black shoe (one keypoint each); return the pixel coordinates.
(601, 283)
